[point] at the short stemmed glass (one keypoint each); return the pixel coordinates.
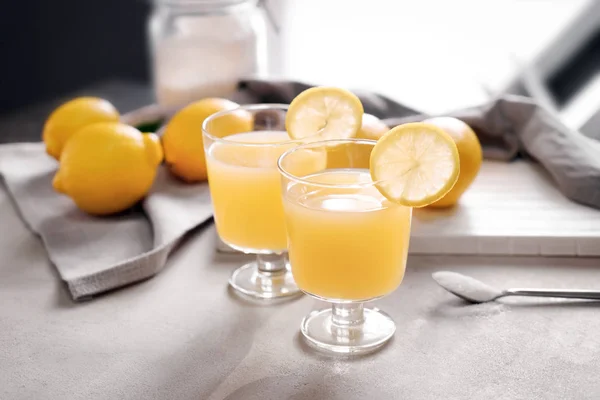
(347, 243)
(245, 191)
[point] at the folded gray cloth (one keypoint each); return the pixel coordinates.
(92, 254)
(508, 127)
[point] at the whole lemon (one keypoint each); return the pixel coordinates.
(107, 167)
(469, 151)
(70, 117)
(358, 156)
(182, 138)
(372, 128)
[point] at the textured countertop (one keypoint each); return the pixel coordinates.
(183, 335)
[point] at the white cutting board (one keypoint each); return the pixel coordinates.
(510, 209)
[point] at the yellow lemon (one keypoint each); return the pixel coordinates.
(108, 167)
(415, 164)
(182, 138)
(321, 113)
(70, 117)
(348, 155)
(470, 154)
(372, 128)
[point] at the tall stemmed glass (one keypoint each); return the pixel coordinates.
(347, 244)
(245, 190)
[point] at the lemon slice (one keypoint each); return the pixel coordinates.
(323, 113)
(415, 164)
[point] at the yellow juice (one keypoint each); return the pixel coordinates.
(345, 244)
(245, 187)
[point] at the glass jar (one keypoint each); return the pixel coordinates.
(202, 48)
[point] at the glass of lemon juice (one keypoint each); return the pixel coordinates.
(348, 207)
(347, 243)
(245, 190)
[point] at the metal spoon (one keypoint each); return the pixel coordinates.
(475, 291)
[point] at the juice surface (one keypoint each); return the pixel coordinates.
(346, 244)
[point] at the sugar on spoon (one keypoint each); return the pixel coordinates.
(475, 291)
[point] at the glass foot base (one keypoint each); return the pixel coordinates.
(263, 285)
(376, 329)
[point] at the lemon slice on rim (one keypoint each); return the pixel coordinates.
(323, 113)
(415, 164)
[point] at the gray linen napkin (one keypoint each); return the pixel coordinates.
(94, 255)
(508, 127)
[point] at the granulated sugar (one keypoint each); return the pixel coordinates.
(479, 311)
(466, 286)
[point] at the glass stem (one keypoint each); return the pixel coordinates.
(271, 264)
(347, 315)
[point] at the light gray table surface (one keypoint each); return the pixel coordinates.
(183, 335)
